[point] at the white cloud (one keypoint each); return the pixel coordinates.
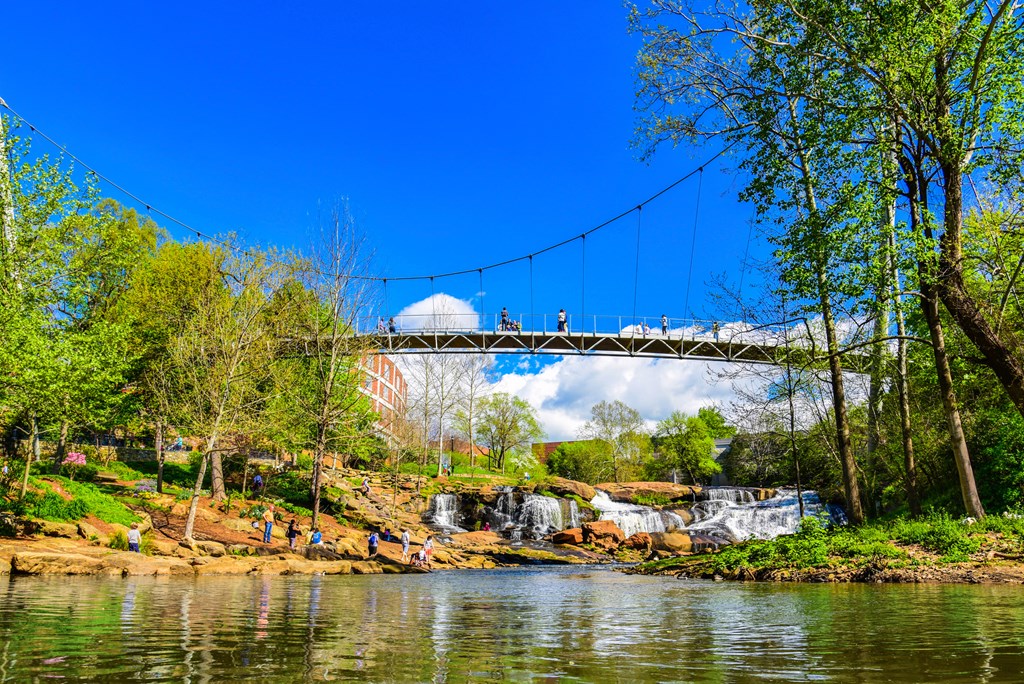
(563, 392)
(438, 312)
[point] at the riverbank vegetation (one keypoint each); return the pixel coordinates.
(894, 550)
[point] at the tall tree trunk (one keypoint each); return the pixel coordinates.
(217, 477)
(194, 505)
(961, 455)
(33, 450)
(903, 388)
(159, 445)
(62, 447)
(918, 205)
(315, 484)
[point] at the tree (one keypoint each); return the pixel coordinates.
(588, 461)
(223, 358)
(623, 430)
(508, 425)
(687, 444)
(324, 384)
(476, 385)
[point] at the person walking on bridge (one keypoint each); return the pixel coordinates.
(561, 321)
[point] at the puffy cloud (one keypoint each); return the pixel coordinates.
(438, 312)
(564, 391)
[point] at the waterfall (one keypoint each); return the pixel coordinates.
(727, 513)
(444, 512)
(631, 518)
(504, 512)
(734, 494)
(724, 519)
(540, 515)
(573, 513)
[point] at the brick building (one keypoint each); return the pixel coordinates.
(386, 388)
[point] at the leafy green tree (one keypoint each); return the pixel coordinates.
(687, 445)
(623, 430)
(587, 461)
(507, 425)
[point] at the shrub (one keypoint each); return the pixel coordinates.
(653, 499)
(118, 541)
(52, 506)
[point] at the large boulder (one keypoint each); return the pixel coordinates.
(628, 492)
(639, 541)
(564, 487)
(571, 536)
(44, 563)
(603, 533)
(674, 542)
(48, 528)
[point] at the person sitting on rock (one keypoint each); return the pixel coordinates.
(316, 537)
(365, 487)
(372, 543)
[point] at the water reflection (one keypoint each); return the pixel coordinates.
(518, 625)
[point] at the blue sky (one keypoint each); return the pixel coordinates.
(460, 134)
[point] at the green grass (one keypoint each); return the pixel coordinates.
(98, 502)
(656, 500)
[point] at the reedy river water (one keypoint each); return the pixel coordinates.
(538, 624)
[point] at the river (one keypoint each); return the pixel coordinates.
(539, 624)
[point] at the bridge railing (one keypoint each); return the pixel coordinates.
(575, 324)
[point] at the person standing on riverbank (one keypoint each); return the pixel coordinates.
(428, 548)
(405, 545)
(292, 534)
(268, 523)
(134, 538)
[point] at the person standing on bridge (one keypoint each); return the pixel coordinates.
(391, 325)
(714, 330)
(664, 324)
(561, 321)
(504, 320)
(380, 326)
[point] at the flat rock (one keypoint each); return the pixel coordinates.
(366, 568)
(628, 492)
(56, 529)
(564, 487)
(241, 525)
(91, 533)
(210, 548)
(42, 563)
(163, 547)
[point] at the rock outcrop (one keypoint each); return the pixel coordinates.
(564, 487)
(603, 534)
(572, 536)
(627, 492)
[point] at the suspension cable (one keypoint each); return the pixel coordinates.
(483, 310)
(533, 317)
(693, 245)
(636, 269)
(583, 283)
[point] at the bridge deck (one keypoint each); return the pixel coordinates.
(593, 344)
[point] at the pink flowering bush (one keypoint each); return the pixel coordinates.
(73, 461)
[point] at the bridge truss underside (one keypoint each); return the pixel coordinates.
(591, 344)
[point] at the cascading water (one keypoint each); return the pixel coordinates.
(540, 515)
(632, 518)
(444, 512)
(736, 495)
(724, 519)
(726, 513)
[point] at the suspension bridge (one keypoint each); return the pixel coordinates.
(597, 335)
